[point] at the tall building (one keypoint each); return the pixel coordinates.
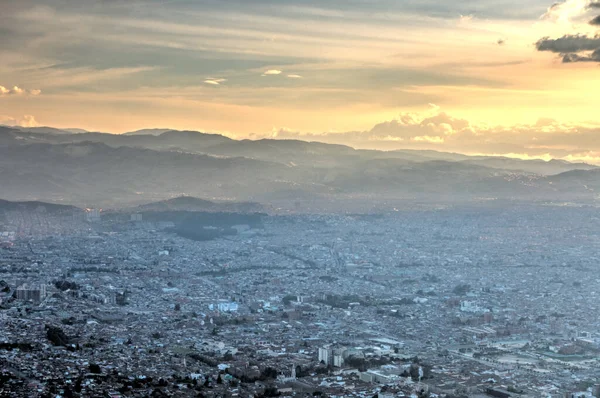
(488, 317)
(332, 357)
(338, 360)
(326, 356)
(93, 215)
(35, 293)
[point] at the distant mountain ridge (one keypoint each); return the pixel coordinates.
(153, 132)
(283, 151)
(6, 205)
(91, 169)
(190, 203)
(181, 203)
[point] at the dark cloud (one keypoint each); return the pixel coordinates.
(593, 57)
(573, 48)
(568, 44)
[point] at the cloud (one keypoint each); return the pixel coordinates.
(272, 72)
(593, 57)
(58, 76)
(432, 126)
(568, 44)
(18, 91)
(28, 121)
(573, 48)
(501, 42)
(439, 130)
(294, 76)
(25, 121)
(465, 19)
(567, 11)
(215, 82)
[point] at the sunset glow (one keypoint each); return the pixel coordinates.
(252, 69)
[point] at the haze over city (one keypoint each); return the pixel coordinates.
(299, 198)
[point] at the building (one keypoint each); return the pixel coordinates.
(7, 236)
(488, 317)
(93, 215)
(375, 376)
(326, 356)
(224, 307)
(31, 293)
(338, 360)
(228, 307)
(470, 306)
(332, 357)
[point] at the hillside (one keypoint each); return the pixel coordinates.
(97, 169)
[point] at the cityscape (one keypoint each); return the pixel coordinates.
(299, 198)
(481, 300)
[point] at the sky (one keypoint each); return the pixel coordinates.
(503, 77)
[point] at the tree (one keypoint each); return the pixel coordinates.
(271, 392)
(269, 373)
(287, 300)
(95, 368)
(423, 394)
(356, 362)
(122, 298)
(68, 392)
(462, 289)
(78, 386)
(177, 307)
(56, 336)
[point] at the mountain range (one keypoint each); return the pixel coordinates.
(99, 169)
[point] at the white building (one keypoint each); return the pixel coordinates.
(338, 361)
(224, 307)
(326, 356)
(93, 215)
(472, 307)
